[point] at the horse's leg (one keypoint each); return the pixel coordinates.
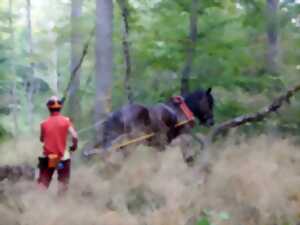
(173, 131)
(135, 124)
(188, 152)
(143, 121)
(169, 120)
(155, 127)
(172, 134)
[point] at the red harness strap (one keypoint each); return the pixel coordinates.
(185, 109)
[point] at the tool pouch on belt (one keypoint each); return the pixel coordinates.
(53, 161)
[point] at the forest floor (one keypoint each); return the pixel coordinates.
(254, 181)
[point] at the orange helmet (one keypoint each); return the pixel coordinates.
(54, 103)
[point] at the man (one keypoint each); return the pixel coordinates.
(54, 135)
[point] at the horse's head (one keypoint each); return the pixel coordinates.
(201, 104)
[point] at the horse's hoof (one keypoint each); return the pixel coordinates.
(190, 160)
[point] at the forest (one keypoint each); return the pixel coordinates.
(100, 55)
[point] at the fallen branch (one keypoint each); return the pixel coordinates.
(255, 117)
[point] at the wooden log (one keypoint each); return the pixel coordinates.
(17, 172)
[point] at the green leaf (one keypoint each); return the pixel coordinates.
(224, 216)
(203, 221)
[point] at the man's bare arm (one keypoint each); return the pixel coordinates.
(74, 135)
(41, 134)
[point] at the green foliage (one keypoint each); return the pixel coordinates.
(203, 221)
(230, 55)
(3, 133)
(207, 216)
(230, 108)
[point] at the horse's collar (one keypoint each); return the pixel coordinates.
(179, 100)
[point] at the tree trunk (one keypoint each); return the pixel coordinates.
(53, 69)
(58, 68)
(104, 59)
(185, 74)
(30, 83)
(272, 36)
(126, 48)
(13, 71)
(76, 49)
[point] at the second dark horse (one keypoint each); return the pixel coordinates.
(161, 119)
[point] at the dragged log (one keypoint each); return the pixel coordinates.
(17, 173)
(262, 114)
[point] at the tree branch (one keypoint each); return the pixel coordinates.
(191, 46)
(77, 67)
(126, 48)
(255, 117)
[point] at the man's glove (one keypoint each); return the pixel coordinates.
(74, 145)
(72, 148)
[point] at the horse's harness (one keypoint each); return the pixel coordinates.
(178, 100)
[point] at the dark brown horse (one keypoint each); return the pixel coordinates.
(162, 119)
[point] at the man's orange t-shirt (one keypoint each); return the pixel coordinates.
(54, 134)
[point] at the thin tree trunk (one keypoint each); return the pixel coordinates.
(31, 87)
(126, 48)
(76, 49)
(53, 70)
(185, 75)
(58, 69)
(272, 36)
(104, 59)
(13, 71)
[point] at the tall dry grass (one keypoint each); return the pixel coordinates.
(256, 181)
